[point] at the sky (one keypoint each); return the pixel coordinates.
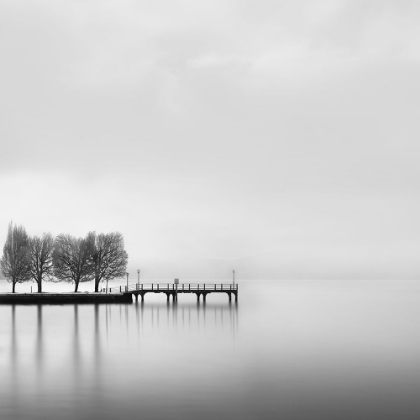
(276, 138)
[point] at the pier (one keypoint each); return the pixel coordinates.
(173, 290)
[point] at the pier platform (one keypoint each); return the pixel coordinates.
(173, 290)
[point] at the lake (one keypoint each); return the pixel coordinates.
(288, 349)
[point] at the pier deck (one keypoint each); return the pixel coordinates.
(199, 289)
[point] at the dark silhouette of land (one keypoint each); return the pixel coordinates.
(62, 298)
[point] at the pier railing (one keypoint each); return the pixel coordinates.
(181, 287)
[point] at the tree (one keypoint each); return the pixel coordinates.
(15, 261)
(40, 258)
(109, 256)
(72, 259)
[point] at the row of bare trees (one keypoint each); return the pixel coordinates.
(95, 257)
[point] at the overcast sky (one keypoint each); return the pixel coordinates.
(277, 138)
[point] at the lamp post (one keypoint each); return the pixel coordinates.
(138, 275)
(127, 281)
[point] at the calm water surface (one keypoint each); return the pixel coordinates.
(288, 349)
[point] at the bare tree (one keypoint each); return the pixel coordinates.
(15, 261)
(109, 256)
(40, 258)
(72, 259)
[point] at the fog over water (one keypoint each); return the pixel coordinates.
(277, 138)
(288, 349)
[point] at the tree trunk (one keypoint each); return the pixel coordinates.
(13, 286)
(39, 286)
(76, 287)
(96, 284)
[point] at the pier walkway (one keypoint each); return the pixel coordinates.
(169, 289)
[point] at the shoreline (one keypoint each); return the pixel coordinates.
(63, 298)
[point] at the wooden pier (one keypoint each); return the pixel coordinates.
(169, 289)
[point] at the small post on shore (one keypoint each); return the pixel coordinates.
(138, 275)
(127, 281)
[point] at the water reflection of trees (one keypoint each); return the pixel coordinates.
(81, 350)
(108, 324)
(14, 386)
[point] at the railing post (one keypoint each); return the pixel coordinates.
(230, 287)
(152, 286)
(189, 286)
(120, 289)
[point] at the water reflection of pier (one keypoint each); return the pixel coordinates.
(218, 317)
(159, 316)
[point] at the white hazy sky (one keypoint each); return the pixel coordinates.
(277, 138)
